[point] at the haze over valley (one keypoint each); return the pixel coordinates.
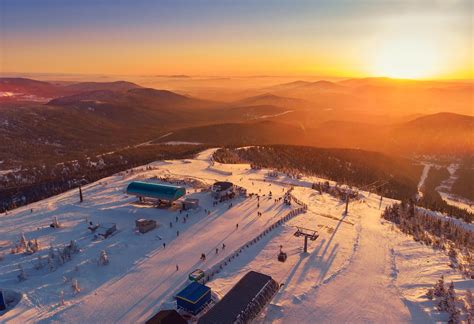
(219, 162)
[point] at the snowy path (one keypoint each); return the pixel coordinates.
(364, 291)
(424, 175)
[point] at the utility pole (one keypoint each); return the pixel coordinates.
(347, 204)
(80, 195)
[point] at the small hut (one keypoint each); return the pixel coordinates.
(145, 225)
(193, 298)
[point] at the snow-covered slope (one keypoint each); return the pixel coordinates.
(358, 270)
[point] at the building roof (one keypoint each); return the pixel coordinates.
(167, 316)
(222, 185)
(236, 300)
(193, 292)
(155, 190)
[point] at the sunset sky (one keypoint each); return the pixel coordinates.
(401, 38)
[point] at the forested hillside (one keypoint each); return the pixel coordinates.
(464, 184)
(352, 167)
(27, 185)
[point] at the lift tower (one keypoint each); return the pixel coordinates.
(307, 233)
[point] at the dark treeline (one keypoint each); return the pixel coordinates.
(464, 184)
(29, 185)
(432, 199)
(348, 166)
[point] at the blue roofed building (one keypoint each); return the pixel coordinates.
(193, 298)
(3, 302)
(155, 190)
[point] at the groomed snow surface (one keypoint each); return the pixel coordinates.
(360, 269)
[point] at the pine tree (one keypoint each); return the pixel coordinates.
(439, 288)
(22, 275)
(452, 308)
(39, 263)
(469, 302)
(51, 265)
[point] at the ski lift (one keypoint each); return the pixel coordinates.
(307, 234)
(282, 256)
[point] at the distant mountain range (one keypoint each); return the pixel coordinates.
(443, 133)
(55, 121)
(22, 88)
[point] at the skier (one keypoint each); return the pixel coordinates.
(217, 250)
(177, 267)
(237, 226)
(164, 245)
(223, 246)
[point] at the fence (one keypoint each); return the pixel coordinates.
(210, 273)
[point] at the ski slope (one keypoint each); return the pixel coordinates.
(359, 269)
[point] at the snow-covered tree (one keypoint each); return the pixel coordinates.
(51, 265)
(75, 286)
(469, 303)
(56, 223)
(439, 288)
(103, 258)
(452, 308)
(22, 274)
(39, 263)
(23, 241)
(51, 252)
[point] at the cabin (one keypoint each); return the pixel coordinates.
(222, 189)
(167, 316)
(196, 275)
(193, 298)
(158, 191)
(145, 225)
(190, 203)
(244, 301)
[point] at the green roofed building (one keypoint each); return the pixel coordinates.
(155, 190)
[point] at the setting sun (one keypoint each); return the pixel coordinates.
(407, 58)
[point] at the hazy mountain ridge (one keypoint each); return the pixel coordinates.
(113, 114)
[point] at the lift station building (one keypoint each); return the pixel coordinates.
(157, 191)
